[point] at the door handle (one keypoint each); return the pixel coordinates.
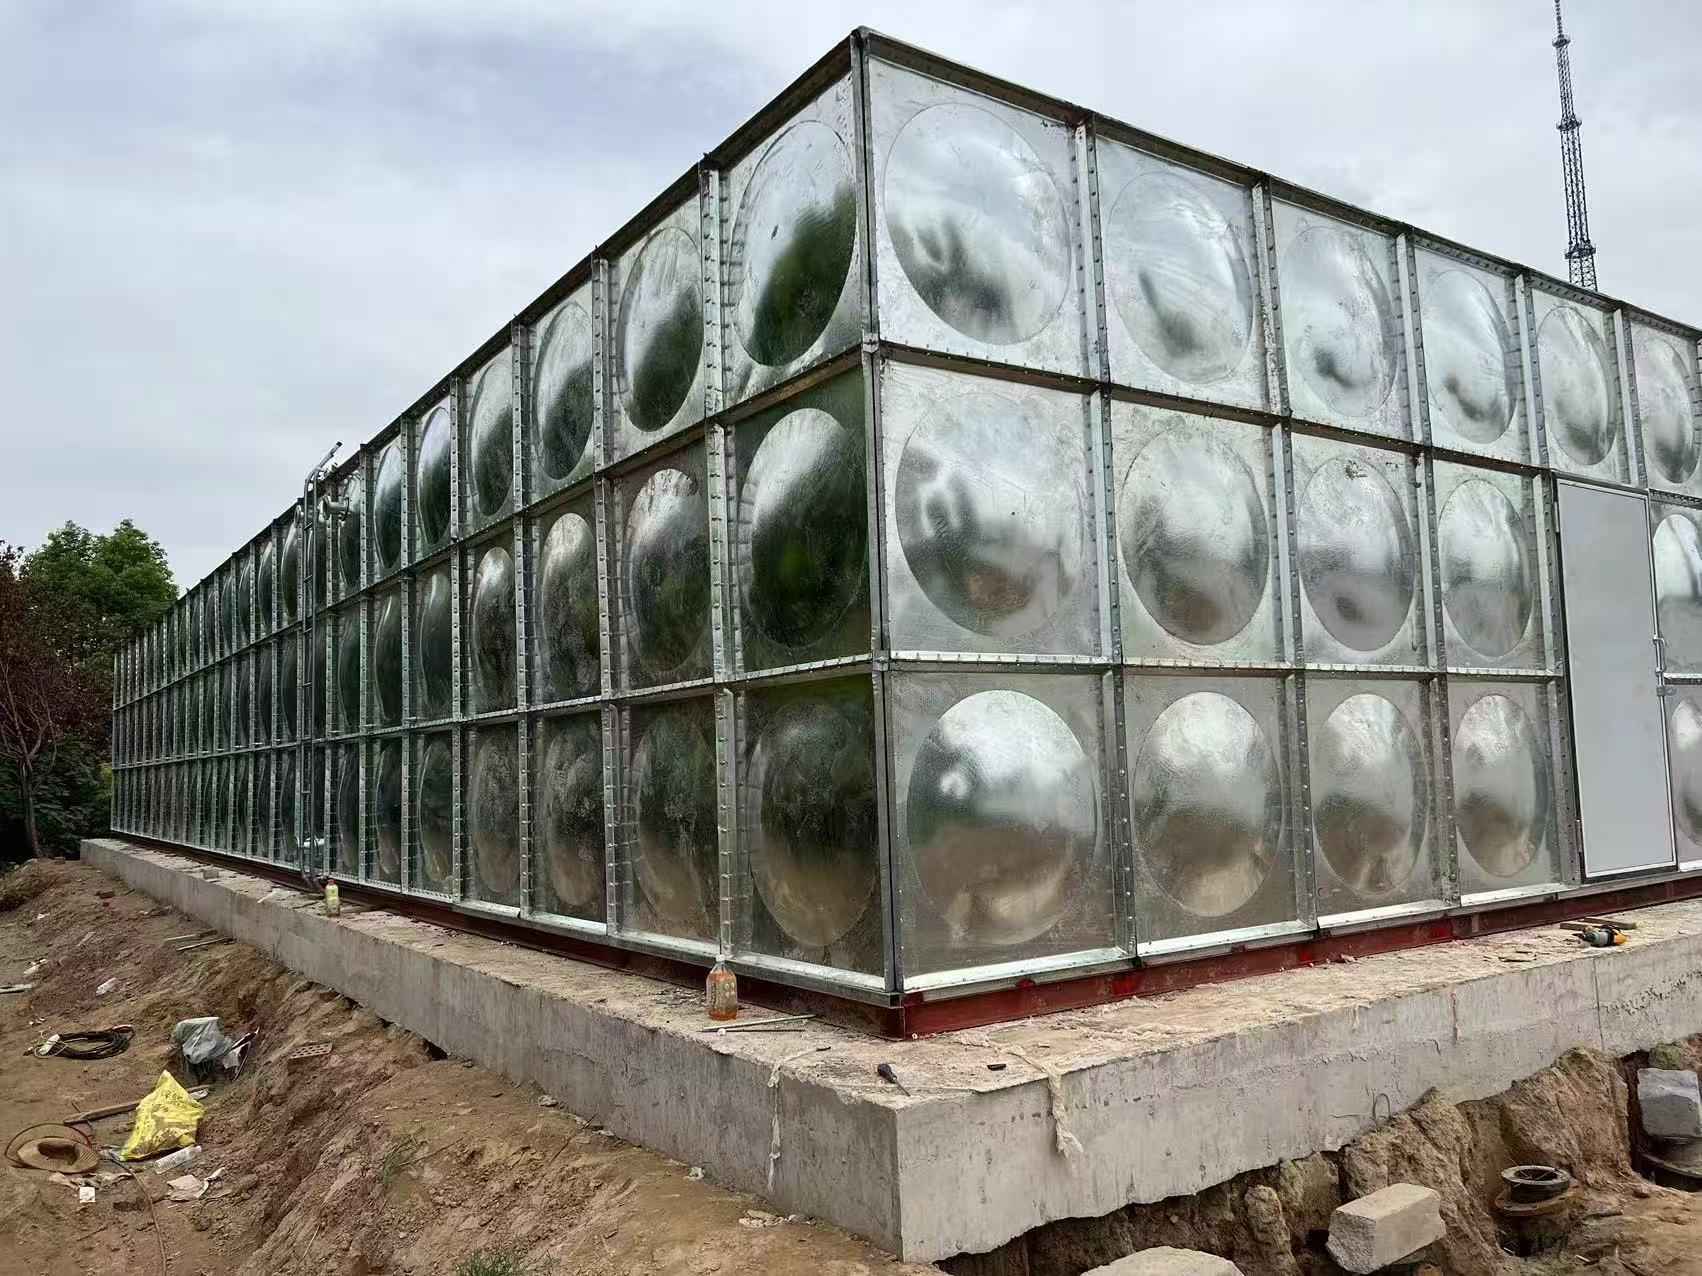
(1660, 655)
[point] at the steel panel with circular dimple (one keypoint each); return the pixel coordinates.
(1471, 364)
(387, 814)
(1678, 584)
(285, 846)
(289, 574)
(976, 242)
(491, 623)
(434, 639)
(386, 660)
(800, 535)
(1341, 325)
(389, 476)
(659, 332)
(665, 572)
(1180, 279)
(566, 619)
(569, 831)
(997, 794)
(349, 532)
(348, 670)
(1370, 793)
(1684, 763)
(490, 439)
(1486, 552)
(262, 696)
(493, 815)
(318, 686)
(288, 681)
(1191, 506)
(675, 857)
(434, 502)
(810, 811)
(1206, 803)
(791, 251)
(267, 599)
(244, 599)
(1667, 407)
(434, 801)
(347, 821)
(988, 512)
(563, 405)
(1357, 553)
(1502, 796)
(1580, 388)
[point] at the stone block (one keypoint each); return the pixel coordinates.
(1671, 1103)
(1166, 1261)
(1388, 1225)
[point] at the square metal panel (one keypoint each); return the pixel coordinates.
(1209, 807)
(286, 831)
(289, 686)
(792, 258)
(347, 527)
(289, 578)
(809, 826)
(566, 627)
(431, 819)
(1509, 803)
(977, 225)
(488, 440)
(491, 815)
(800, 528)
(659, 351)
(1669, 407)
(242, 804)
(569, 865)
(1472, 357)
(386, 530)
(667, 848)
(1194, 503)
(1372, 782)
(384, 658)
(264, 681)
(1677, 545)
(1182, 305)
(1000, 833)
(347, 820)
(435, 477)
(1359, 552)
(1342, 328)
(990, 516)
(1581, 407)
(432, 653)
(1491, 530)
(384, 801)
(491, 644)
(563, 414)
(661, 601)
(346, 669)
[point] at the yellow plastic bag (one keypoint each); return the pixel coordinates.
(166, 1119)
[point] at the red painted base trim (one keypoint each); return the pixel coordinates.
(918, 1016)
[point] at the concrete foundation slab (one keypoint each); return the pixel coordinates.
(1093, 1109)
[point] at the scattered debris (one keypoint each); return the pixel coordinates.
(1385, 1226)
(165, 1119)
(33, 971)
(885, 1072)
(99, 1043)
(110, 986)
(1166, 1260)
(176, 1160)
(54, 1147)
(85, 1193)
(760, 1025)
(546, 1101)
(17, 988)
(119, 1109)
(312, 1052)
(695, 1174)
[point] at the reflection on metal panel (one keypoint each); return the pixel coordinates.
(1616, 709)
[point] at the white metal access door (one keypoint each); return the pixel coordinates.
(1613, 663)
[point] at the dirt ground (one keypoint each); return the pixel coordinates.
(382, 1157)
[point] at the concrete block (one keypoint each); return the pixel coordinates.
(1167, 1261)
(1388, 1225)
(1672, 1103)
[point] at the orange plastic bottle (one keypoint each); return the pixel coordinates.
(722, 991)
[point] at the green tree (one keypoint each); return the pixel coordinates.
(101, 589)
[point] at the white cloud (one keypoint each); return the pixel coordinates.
(230, 234)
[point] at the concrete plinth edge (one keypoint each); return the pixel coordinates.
(1160, 1098)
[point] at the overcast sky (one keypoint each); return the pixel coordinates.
(232, 233)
